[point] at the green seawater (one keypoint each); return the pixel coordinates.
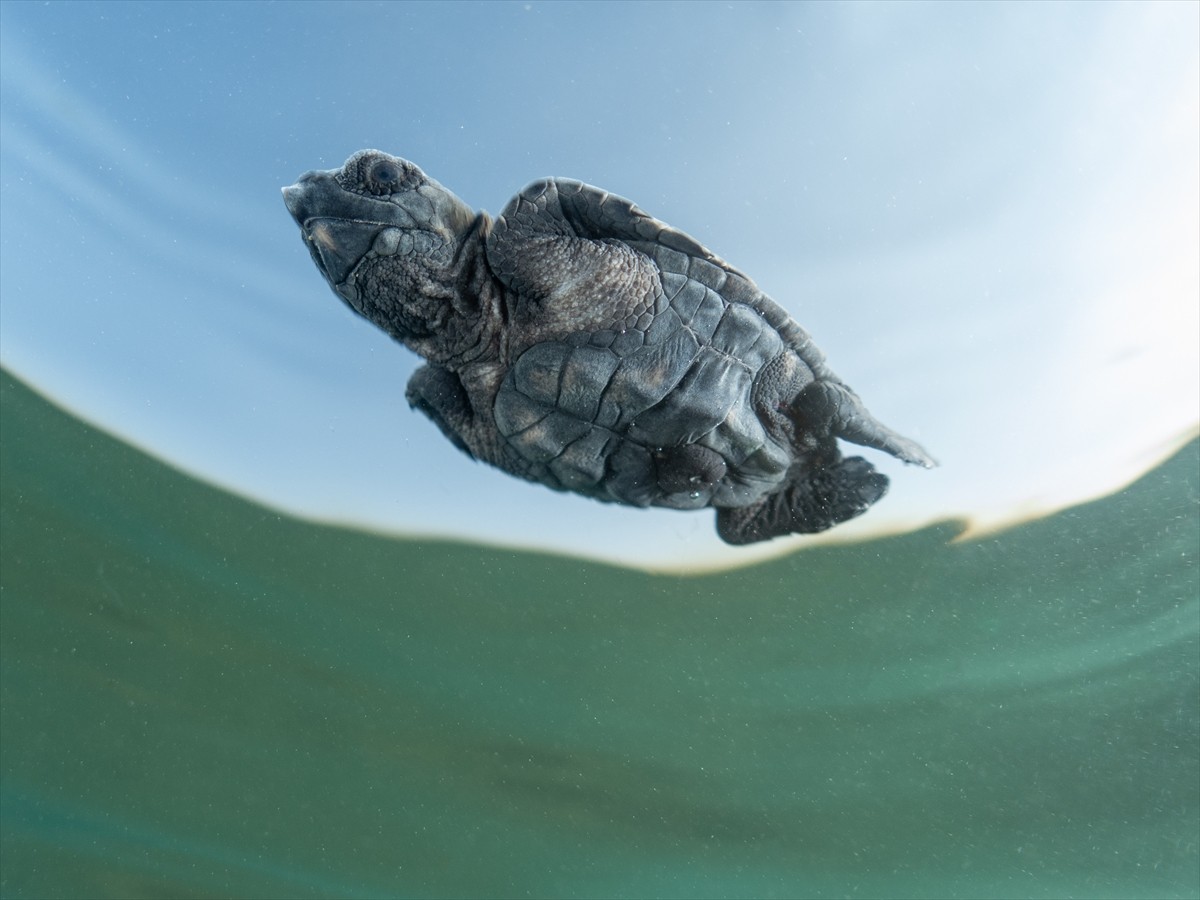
(201, 697)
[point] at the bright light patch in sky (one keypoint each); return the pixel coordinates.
(987, 215)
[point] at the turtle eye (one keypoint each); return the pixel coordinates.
(383, 177)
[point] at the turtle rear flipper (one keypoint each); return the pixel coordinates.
(814, 500)
(829, 407)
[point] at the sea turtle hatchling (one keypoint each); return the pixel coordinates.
(578, 342)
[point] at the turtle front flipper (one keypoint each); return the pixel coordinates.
(813, 500)
(439, 394)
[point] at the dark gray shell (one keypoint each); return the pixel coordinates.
(599, 411)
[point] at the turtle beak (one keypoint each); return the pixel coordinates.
(293, 199)
(311, 192)
(337, 244)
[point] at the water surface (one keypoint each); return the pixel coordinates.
(204, 697)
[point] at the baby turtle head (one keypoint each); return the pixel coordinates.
(396, 246)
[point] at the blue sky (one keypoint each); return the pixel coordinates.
(986, 214)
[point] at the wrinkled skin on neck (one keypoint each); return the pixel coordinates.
(404, 253)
